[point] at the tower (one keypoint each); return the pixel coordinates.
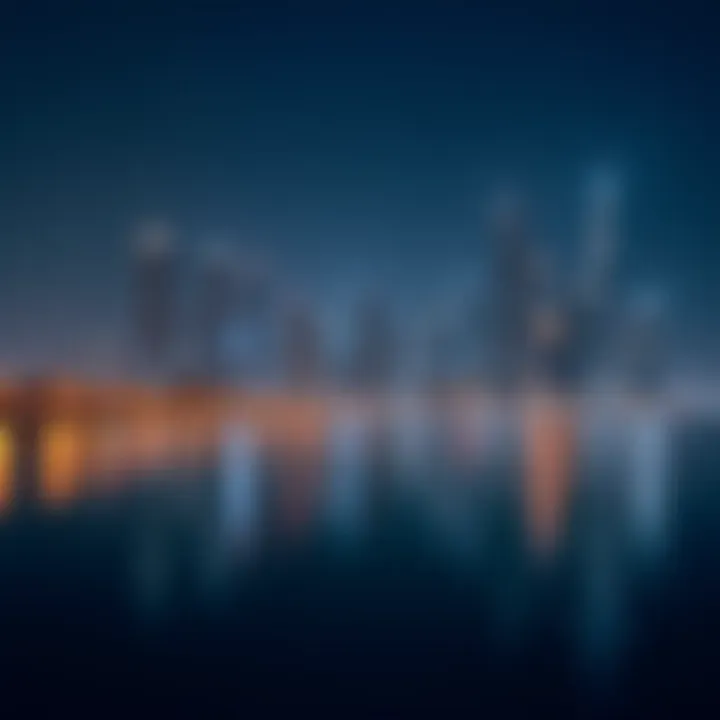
(603, 200)
(218, 303)
(252, 337)
(514, 280)
(154, 298)
(646, 346)
(595, 278)
(302, 345)
(375, 351)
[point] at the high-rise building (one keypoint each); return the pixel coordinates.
(375, 353)
(514, 279)
(646, 344)
(601, 230)
(251, 340)
(452, 328)
(302, 346)
(595, 278)
(219, 288)
(154, 298)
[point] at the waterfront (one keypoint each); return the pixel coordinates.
(352, 568)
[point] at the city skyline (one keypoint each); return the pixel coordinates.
(337, 141)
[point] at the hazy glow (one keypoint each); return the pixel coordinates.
(7, 467)
(549, 455)
(62, 453)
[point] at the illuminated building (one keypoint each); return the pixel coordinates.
(646, 343)
(218, 303)
(595, 277)
(375, 350)
(302, 346)
(602, 210)
(154, 299)
(248, 340)
(513, 279)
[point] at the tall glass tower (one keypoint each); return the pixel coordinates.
(154, 297)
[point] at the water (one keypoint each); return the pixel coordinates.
(438, 603)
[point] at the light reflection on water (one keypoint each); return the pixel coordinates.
(237, 492)
(63, 453)
(7, 467)
(555, 451)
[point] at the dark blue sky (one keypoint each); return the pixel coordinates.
(340, 135)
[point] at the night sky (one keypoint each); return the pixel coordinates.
(337, 138)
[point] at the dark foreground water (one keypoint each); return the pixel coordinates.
(134, 602)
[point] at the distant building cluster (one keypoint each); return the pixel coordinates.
(234, 321)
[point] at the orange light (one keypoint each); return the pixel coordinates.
(61, 462)
(7, 467)
(109, 452)
(549, 447)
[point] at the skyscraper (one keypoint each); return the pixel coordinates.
(646, 342)
(154, 298)
(594, 288)
(603, 199)
(218, 304)
(251, 338)
(376, 348)
(303, 361)
(514, 279)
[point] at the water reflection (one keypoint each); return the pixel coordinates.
(519, 495)
(240, 493)
(63, 452)
(7, 468)
(347, 504)
(549, 454)
(650, 451)
(466, 445)
(151, 571)
(411, 436)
